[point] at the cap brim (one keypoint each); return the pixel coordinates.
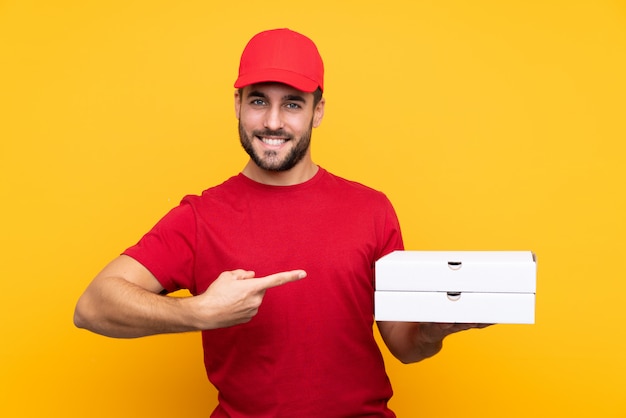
(297, 81)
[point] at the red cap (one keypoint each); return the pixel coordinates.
(283, 56)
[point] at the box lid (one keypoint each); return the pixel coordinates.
(457, 271)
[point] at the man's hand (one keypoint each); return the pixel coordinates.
(235, 297)
(124, 301)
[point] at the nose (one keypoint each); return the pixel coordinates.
(273, 118)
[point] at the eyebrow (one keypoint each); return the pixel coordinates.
(286, 98)
(294, 98)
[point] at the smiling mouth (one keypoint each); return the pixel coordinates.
(274, 142)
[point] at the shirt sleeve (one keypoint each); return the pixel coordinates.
(391, 234)
(168, 249)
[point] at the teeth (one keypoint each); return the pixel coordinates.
(271, 141)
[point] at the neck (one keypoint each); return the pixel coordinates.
(303, 171)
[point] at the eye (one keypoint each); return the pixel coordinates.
(292, 106)
(257, 102)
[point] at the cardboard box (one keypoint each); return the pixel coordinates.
(456, 286)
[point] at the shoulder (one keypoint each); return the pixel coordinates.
(219, 192)
(353, 188)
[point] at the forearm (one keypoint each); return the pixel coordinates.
(115, 307)
(123, 301)
(411, 342)
(407, 341)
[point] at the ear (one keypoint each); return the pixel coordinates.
(237, 104)
(318, 113)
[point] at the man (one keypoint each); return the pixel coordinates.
(279, 260)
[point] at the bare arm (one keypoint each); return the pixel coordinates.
(123, 301)
(411, 342)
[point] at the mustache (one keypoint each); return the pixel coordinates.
(270, 132)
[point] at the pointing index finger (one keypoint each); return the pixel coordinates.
(279, 279)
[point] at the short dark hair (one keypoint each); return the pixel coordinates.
(317, 96)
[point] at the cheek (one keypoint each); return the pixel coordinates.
(249, 120)
(299, 125)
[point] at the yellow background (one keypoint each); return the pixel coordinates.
(491, 125)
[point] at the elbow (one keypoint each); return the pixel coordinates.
(84, 316)
(422, 353)
(90, 310)
(417, 353)
(412, 358)
(80, 319)
(88, 319)
(408, 358)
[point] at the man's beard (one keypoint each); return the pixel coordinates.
(269, 160)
